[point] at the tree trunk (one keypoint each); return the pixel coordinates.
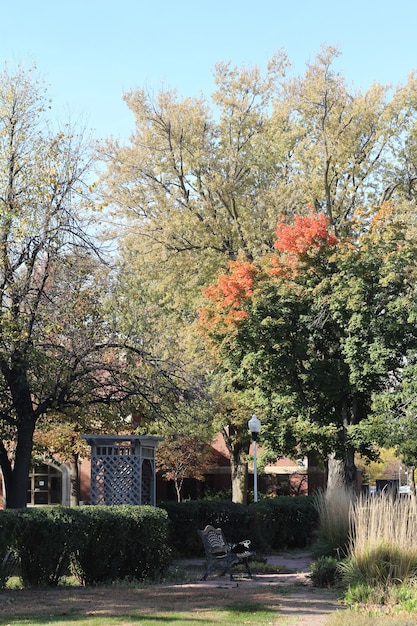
(335, 473)
(238, 447)
(74, 481)
(350, 470)
(16, 480)
(178, 488)
(342, 473)
(6, 470)
(239, 473)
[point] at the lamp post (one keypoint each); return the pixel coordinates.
(254, 426)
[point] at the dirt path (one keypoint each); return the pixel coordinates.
(303, 605)
(289, 595)
(306, 608)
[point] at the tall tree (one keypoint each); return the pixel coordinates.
(58, 348)
(203, 182)
(348, 149)
(41, 175)
(319, 329)
(186, 185)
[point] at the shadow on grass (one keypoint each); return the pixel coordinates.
(250, 614)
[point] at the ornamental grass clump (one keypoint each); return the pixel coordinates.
(333, 507)
(383, 543)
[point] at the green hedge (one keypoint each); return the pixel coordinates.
(103, 543)
(97, 544)
(187, 517)
(116, 542)
(284, 522)
(7, 555)
(272, 523)
(43, 541)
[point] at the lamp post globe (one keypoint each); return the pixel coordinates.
(254, 426)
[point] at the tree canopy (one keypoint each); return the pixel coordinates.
(311, 323)
(204, 181)
(314, 332)
(59, 348)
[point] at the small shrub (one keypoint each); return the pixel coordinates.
(324, 572)
(402, 596)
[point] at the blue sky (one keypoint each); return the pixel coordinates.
(90, 51)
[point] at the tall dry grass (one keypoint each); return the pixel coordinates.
(333, 534)
(383, 541)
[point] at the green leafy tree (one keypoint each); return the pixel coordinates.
(393, 418)
(317, 330)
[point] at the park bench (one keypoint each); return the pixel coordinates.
(222, 554)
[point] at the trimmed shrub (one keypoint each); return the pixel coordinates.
(115, 542)
(42, 539)
(273, 523)
(107, 543)
(147, 549)
(7, 553)
(325, 572)
(283, 522)
(185, 518)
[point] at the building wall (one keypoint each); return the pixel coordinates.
(85, 477)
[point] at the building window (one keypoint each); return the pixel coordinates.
(45, 485)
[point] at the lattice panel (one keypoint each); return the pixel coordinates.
(116, 479)
(122, 469)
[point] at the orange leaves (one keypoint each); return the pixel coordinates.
(227, 297)
(298, 252)
(233, 288)
(307, 231)
(300, 241)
